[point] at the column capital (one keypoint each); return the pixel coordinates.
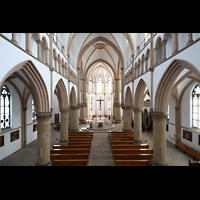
(44, 115)
(159, 115)
(137, 109)
(127, 107)
(64, 110)
(164, 42)
(75, 107)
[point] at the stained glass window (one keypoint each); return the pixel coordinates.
(5, 107)
(196, 107)
(109, 103)
(90, 84)
(33, 111)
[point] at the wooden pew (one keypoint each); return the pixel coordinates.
(71, 146)
(131, 163)
(133, 146)
(193, 163)
(133, 156)
(185, 148)
(121, 142)
(82, 162)
(69, 156)
(79, 143)
(69, 151)
(80, 140)
(133, 151)
(80, 133)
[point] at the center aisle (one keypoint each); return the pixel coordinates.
(101, 152)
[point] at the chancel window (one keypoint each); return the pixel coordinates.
(109, 84)
(91, 104)
(90, 85)
(5, 107)
(109, 106)
(196, 107)
(99, 86)
(33, 111)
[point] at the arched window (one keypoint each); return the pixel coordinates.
(109, 84)
(196, 107)
(5, 107)
(91, 104)
(33, 111)
(99, 86)
(109, 103)
(90, 85)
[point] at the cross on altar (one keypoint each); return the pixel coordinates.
(100, 103)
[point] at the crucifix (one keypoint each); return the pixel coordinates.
(100, 103)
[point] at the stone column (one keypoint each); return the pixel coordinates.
(47, 55)
(55, 60)
(24, 132)
(117, 101)
(127, 112)
(155, 56)
(83, 102)
(146, 64)
(174, 43)
(64, 124)
(159, 138)
(28, 42)
(14, 36)
(190, 40)
(59, 67)
(122, 86)
(151, 51)
(138, 124)
(74, 118)
(39, 42)
(142, 67)
(164, 42)
(43, 138)
(50, 50)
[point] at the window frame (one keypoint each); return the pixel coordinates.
(3, 111)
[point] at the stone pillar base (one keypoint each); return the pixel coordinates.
(153, 163)
(82, 121)
(137, 141)
(47, 164)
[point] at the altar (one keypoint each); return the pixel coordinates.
(100, 123)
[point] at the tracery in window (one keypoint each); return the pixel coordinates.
(5, 107)
(196, 107)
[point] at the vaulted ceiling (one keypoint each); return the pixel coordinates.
(110, 49)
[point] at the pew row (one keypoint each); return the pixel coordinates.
(131, 162)
(74, 162)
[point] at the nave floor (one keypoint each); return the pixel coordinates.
(100, 154)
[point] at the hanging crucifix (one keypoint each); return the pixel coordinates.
(100, 103)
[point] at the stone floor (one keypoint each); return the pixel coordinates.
(100, 155)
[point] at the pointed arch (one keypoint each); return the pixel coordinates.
(61, 93)
(73, 97)
(36, 84)
(128, 97)
(139, 94)
(97, 39)
(165, 86)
